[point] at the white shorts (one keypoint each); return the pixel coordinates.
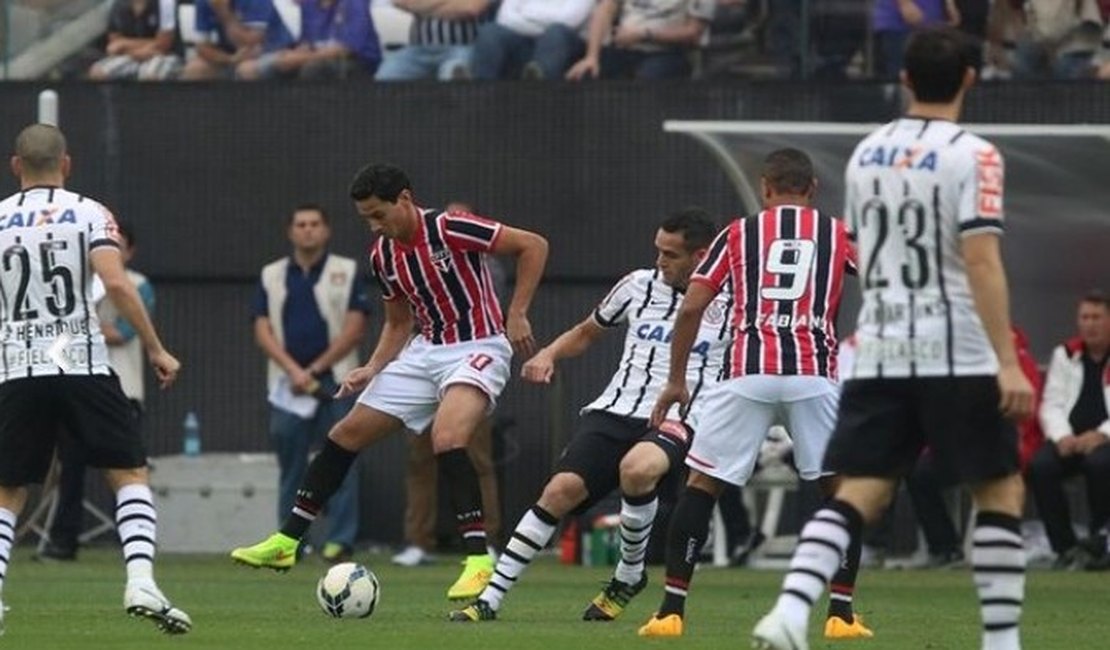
(737, 413)
(411, 386)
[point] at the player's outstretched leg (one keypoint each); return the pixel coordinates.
(325, 475)
(629, 578)
(136, 522)
(531, 535)
(821, 547)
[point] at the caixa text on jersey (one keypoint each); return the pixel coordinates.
(25, 331)
(37, 218)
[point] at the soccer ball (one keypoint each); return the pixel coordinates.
(348, 590)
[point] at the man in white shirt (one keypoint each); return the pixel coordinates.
(1077, 430)
(537, 39)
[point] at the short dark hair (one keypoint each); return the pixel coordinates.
(697, 226)
(1096, 297)
(124, 228)
(306, 207)
(788, 171)
(383, 181)
(40, 148)
(935, 62)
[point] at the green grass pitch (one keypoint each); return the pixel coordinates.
(79, 606)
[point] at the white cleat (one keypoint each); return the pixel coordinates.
(772, 633)
(146, 601)
(3, 609)
(412, 556)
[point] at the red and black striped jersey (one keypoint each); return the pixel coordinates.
(443, 275)
(786, 266)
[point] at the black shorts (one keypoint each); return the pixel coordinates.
(884, 424)
(602, 439)
(91, 408)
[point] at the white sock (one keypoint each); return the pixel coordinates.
(636, 521)
(822, 544)
(7, 536)
(137, 523)
(998, 566)
(532, 534)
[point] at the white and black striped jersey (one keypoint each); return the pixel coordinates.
(48, 322)
(648, 306)
(913, 189)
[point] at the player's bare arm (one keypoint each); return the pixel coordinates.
(108, 264)
(571, 343)
(530, 251)
(987, 278)
(396, 332)
(698, 297)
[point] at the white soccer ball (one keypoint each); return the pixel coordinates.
(348, 590)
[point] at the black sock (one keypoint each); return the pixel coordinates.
(685, 538)
(466, 496)
(325, 475)
(843, 583)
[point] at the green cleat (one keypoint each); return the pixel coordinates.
(277, 552)
(475, 576)
(477, 611)
(608, 605)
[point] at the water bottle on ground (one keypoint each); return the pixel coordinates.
(191, 445)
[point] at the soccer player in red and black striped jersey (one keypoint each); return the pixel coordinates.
(433, 277)
(786, 268)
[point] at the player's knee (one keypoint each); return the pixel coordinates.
(705, 483)
(639, 473)
(1005, 495)
(563, 493)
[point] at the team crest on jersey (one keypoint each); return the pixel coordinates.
(338, 278)
(714, 313)
(441, 259)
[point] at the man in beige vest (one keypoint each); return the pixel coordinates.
(125, 355)
(309, 317)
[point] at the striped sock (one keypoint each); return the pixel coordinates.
(821, 547)
(637, 516)
(532, 534)
(137, 523)
(685, 538)
(7, 537)
(466, 497)
(998, 566)
(843, 584)
(325, 474)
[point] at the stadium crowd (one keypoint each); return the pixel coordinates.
(582, 39)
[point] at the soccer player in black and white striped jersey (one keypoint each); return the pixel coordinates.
(54, 369)
(936, 363)
(613, 446)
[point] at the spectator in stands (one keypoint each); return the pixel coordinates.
(652, 39)
(337, 41)
(309, 316)
(1100, 63)
(892, 22)
(1074, 416)
(1058, 40)
(440, 39)
(142, 42)
(234, 31)
(538, 39)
